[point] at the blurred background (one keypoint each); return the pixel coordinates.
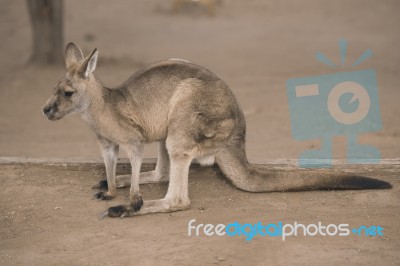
(253, 45)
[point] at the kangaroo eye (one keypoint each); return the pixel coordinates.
(68, 93)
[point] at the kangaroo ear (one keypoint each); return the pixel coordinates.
(73, 55)
(88, 65)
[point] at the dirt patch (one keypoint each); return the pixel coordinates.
(48, 217)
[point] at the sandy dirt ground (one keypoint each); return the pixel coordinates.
(47, 216)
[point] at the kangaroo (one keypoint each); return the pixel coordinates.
(191, 113)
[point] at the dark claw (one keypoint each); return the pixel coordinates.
(103, 215)
(102, 196)
(124, 210)
(138, 204)
(101, 185)
(116, 211)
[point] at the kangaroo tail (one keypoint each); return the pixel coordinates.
(233, 163)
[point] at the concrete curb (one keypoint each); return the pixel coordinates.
(387, 165)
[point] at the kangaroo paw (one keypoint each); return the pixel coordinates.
(137, 203)
(102, 184)
(125, 210)
(116, 211)
(103, 195)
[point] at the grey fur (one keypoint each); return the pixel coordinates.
(185, 107)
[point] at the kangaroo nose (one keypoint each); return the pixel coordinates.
(46, 110)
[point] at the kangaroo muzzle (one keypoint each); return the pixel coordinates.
(50, 111)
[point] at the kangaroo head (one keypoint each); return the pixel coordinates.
(71, 94)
